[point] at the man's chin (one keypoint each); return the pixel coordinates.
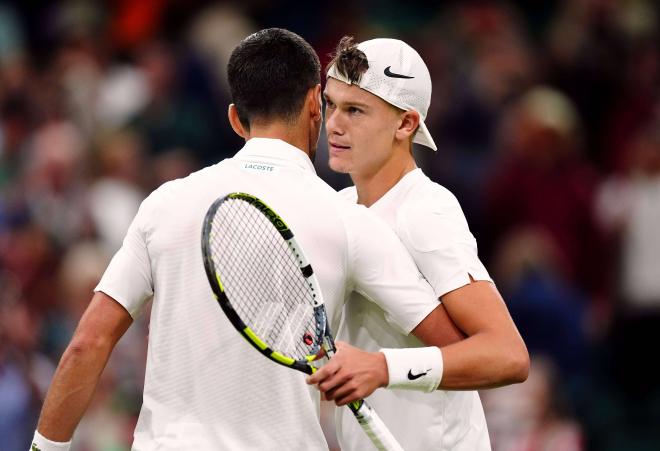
(338, 166)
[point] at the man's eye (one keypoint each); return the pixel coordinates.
(354, 110)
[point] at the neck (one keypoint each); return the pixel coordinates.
(291, 134)
(371, 187)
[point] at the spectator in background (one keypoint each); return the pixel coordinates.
(490, 63)
(549, 310)
(214, 34)
(629, 206)
(636, 107)
(24, 372)
(16, 101)
(14, 133)
(29, 255)
(173, 117)
(114, 197)
(53, 183)
(542, 181)
(586, 46)
(98, 93)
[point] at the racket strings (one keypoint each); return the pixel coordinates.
(262, 279)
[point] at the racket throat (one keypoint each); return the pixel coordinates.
(328, 346)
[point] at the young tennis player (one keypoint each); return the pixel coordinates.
(377, 96)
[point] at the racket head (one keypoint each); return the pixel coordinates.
(262, 280)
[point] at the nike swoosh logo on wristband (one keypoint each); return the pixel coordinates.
(412, 376)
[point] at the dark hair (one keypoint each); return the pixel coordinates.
(269, 74)
(351, 62)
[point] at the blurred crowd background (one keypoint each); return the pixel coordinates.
(547, 120)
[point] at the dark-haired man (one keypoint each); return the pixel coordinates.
(205, 387)
(377, 96)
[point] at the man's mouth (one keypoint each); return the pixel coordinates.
(335, 147)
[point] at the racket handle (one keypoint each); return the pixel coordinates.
(371, 423)
(378, 433)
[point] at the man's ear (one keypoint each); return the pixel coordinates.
(409, 125)
(235, 122)
(315, 104)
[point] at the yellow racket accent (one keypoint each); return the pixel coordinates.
(222, 287)
(274, 218)
(256, 340)
(282, 358)
(357, 404)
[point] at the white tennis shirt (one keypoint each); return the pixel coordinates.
(206, 388)
(431, 224)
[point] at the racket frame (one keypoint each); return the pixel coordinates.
(305, 268)
(371, 423)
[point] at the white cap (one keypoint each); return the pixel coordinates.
(398, 75)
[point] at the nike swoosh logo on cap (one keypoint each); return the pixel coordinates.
(391, 74)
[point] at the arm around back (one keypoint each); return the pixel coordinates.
(436, 233)
(494, 354)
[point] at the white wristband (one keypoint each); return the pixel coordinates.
(414, 368)
(41, 443)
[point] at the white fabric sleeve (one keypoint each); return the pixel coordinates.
(128, 278)
(381, 270)
(437, 236)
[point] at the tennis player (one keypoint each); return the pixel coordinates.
(377, 96)
(205, 387)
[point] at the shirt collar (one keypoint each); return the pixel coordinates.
(275, 149)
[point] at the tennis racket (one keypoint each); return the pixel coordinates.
(269, 292)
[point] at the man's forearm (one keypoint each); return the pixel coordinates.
(494, 354)
(72, 387)
(483, 361)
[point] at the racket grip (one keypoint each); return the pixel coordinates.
(378, 433)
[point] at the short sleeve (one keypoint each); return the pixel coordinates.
(381, 270)
(128, 278)
(436, 234)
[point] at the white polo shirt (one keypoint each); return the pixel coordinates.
(431, 224)
(206, 388)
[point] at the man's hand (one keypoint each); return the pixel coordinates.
(351, 374)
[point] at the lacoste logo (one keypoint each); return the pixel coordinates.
(412, 376)
(259, 167)
(391, 74)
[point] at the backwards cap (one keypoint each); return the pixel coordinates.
(398, 75)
